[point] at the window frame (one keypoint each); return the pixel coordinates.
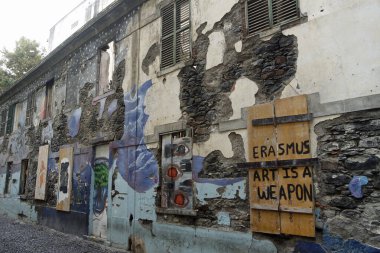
(10, 118)
(272, 25)
(49, 99)
(111, 66)
(30, 109)
(3, 122)
(175, 32)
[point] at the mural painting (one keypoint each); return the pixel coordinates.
(137, 165)
(74, 122)
(81, 182)
(65, 172)
(177, 182)
(43, 154)
(99, 208)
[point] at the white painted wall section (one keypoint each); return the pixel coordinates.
(333, 58)
(210, 11)
(242, 95)
(216, 49)
(217, 141)
(162, 102)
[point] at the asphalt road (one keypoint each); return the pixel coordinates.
(17, 236)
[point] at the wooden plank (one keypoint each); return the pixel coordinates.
(65, 170)
(298, 224)
(295, 183)
(265, 221)
(43, 155)
(263, 182)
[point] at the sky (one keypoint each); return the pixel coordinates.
(31, 19)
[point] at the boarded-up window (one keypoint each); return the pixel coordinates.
(3, 122)
(10, 119)
(175, 33)
(31, 103)
(280, 174)
(23, 175)
(265, 14)
(106, 68)
(8, 177)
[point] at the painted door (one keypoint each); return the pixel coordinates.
(99, 192)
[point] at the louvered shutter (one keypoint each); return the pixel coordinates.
(264, 14)
(175, 39)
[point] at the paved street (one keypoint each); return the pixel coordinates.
(19, 237)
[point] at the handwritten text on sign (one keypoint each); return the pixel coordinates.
(289, 191)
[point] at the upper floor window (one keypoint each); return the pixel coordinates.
(3, 122)
(106, 68)
(266, 14)
(49, 99)
(30, 107)
(10, 118)
(175, 33)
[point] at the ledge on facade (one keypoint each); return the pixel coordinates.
(176, 211)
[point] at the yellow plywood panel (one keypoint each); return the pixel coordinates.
(65, 178)
(292, 138)
(261, 139)
(297, 224)
(265, 221)
(291, 106)
(42, 167)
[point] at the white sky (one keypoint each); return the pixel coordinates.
(31, 18)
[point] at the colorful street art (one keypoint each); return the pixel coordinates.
(100, 185)
(356, 184)
(99, 207)
(177, 182)
(43, 154)
(74, 122)
(65, 173)
(81, 182)
(137, 165)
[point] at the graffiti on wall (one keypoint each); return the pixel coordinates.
(137, 165)
(65, 172)
(40, 191)
(74, 122)
(99, 208)
(177, 182)
(81, 182)
(356, 184)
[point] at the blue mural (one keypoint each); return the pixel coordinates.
(197, 168)
(73, 123)
(333, 244)
(81, 182)
(356, 184)
(137, 165)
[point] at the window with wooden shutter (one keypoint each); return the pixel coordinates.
(265, 14)
(30, 109)
(175, 37)
(3, 122)
(10, 120)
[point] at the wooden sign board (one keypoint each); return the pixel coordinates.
(42, 167)
(281, 198)
(65, 175)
